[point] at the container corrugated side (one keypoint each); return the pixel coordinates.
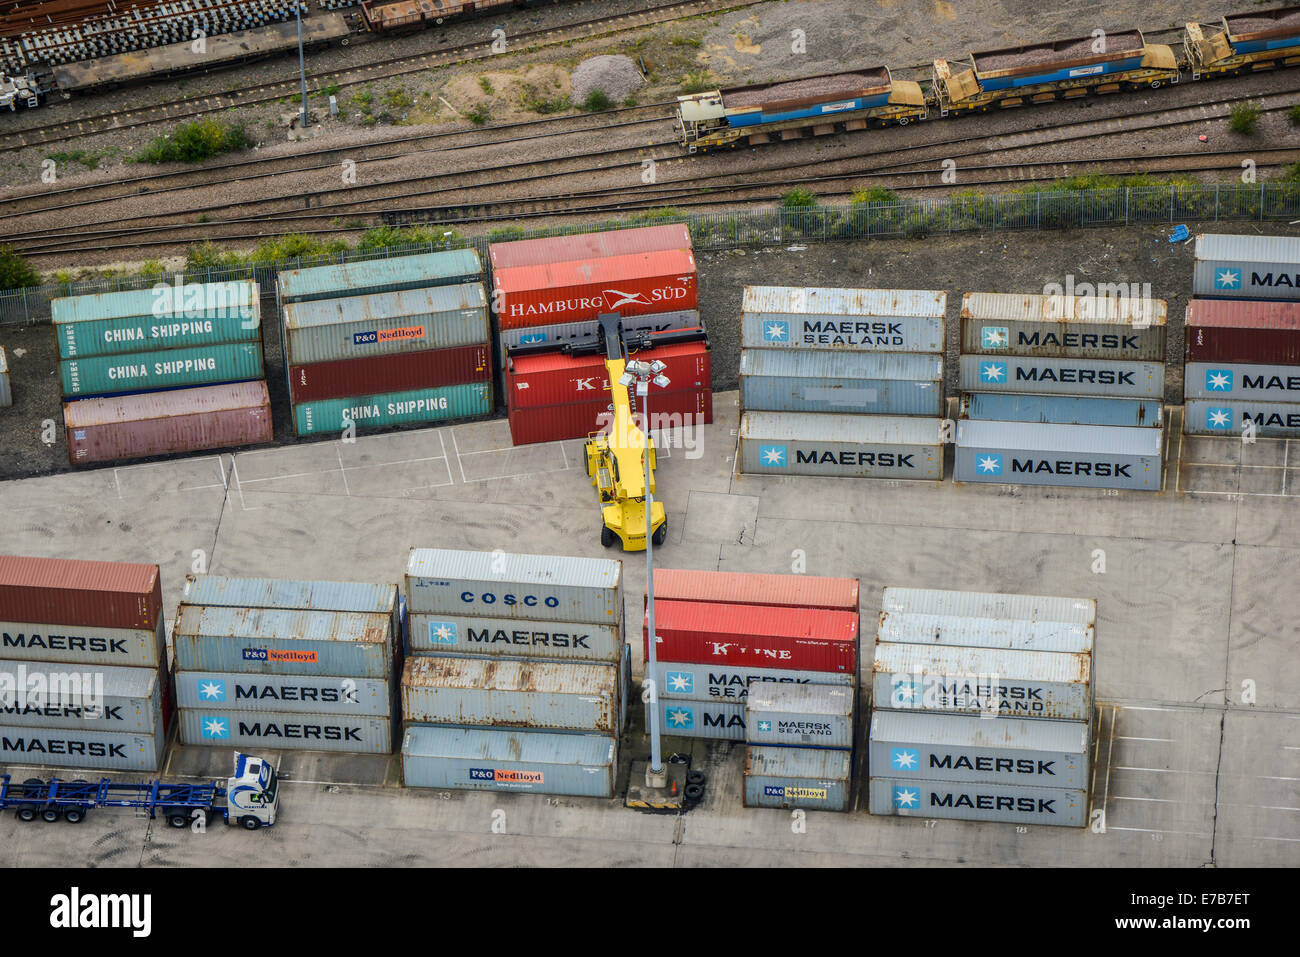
(1246, 267)
(581, 765)
(978, 604)
(472, 400)
(1007, 804)
(815, 778)
(42, 694)
(1238, 380)
(426, 368)
(219, 590)
(523, 587)
(992, 681)
(779, 380)
(511, 637)
(358, 734)
(839, 302)
(601, 245)
(715, 720)
(161, 423)
(804, 639)
(671, 409)
(578, 333)
(135, 334)
(82, 748)
(541, 695)
(235, 298)
(1224, 330)
(964, 631)
(916, 745)
(1061, 409)
(557, 378)
(80, 644)
(1112, 378)
(151, 371)
(289, 693)
(1103, 326)
(1271, 420)
(858, 446)
(783, 331)
(1088, 456)
(371, 276)
(79, 592)
(747, 588)
(689, 682)
(805, 716)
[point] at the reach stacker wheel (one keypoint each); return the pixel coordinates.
(607, 537)
(661, 534)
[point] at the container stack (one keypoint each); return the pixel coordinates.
(844, 382)
(155, 371)
(1062, 390)
(982, 707)
(386, 342)
(83, 665)
(300, 665)
(550, 292)
(518, 679)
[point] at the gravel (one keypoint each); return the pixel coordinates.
(617, 76)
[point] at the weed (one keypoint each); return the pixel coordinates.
(1244, 117)
(194, 142)
(596, 101)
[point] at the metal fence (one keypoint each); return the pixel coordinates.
(910, 218)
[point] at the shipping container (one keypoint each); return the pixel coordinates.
(977, 604)
(690, 682)
(1061, 409)
(396, 373)
(1271, 420)
(585, 246)
(151, 371)
(581, 765)
(587, 332)
(556, 378)
(161, 423)
(537, 695)
(573, 291)
(802, 639)
(46, 695)
(386, 324)
(1225, 330)
(815, 778)
(6, 387)
(916, 745)
(778, 380)
(1006, 804)
(231, 691)
(716, 720)
(800, 716)
(76, 592)
(120, 318)
(963, 631)
(854, 320)
(1028, 453)
(1235, 380)
(1110, 325)
(394, 408)
(374, 276)
(143, 334)
(518, 587)
(854, 446)
(995, 681)
(673, 409)
(1247, 267)
(1112, 378)
(358, 734)
(269, 641)
(747, 588)
(509, 637)
(82, 748)
(81, 644)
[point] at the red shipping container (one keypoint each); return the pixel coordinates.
(159, 423)
(800, 639)
(69, 591)
(575, 291)
(576, 420)
(558, 379)
(1228, 330)
(742, 588)
(614, 242)
(426, 369)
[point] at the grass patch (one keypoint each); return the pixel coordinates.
(86, 158)
(629, 100)
(195, 142)
(381, 237)
(1243, 118)
(596, 101)
(479, 115)
(485, 85)
(532, 100)
(15, 271)
(397, 99)
(697, 82)
(874, 194)
(329, 90)
(799, 198)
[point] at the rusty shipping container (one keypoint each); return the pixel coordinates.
(814, 778)
(586, 246)
(689, 682)
(161, 423)
(717, 720)
(1064, 326)
(43, 694)
(747, 588)
(71, 591)
(373, 375)
(553, 423)
(1224, 330)
(559, 379)
(506, 637)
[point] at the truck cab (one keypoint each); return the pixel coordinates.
(253, 793)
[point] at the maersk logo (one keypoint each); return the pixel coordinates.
(765, 726)
(995, 337)
(904, 694)
(1227, 279)
(904, 759)
(532, 338)
(776, 331)
(680, 682)
(1218, 380)
(906, 797)
(442, 633)
(989, 464)
(993, 372)
(1218, 418)
(212, 689)
(214, 727)
(773, 455)
(680, 717)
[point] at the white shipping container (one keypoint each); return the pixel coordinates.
(964, 801)
(311, 694)
(583, 765)
(979, 604)
(81, 748)
(690, 682)
(859, 446)
(1083, 456)
(1109, 378)
(869, 320)
(806, 716)
(1246, 267)
(970, 632)
(363, 734)
(96, 697)
(512, 637)
(78, 644)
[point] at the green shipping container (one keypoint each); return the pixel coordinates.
(166, 369)
(134, 334)
(394, 408)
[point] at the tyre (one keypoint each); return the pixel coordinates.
(679, 758)
(50, 815)
(27, 813)
(607, 536)
(696, 777)
(693, 792)
(903, 121)
(177, 821)
(249, 823)
(1156, 84)
(661, 534)
(74, 815)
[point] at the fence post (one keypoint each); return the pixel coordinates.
(1126, 204)
(1261, 202)
(1216, 202)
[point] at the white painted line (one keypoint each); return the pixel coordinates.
(497, 478)
(565, 457)
(343, 472)
(1123, 737)
(1262, 777)
(459, 461)
(1117, 797)
(234, 470)
(1134, 707)
(117, 483)
(1286, 457)
(446, 461)
(1289, 840)
(1162, 770)
(221, 465)
(1153, 830)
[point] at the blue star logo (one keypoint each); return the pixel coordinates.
(1218, 380)
(442, 633)
(906, 798)
(905, 694)
(679, 717)
(531, 337)
(993, 372)
(765, 726)
(1227, 279)
(679, 682)
(1218, 418)
(212, 689)
(905, 759)
(773, 455)
(995, 337)
(776, 330)
(989, 464)
(214, 727)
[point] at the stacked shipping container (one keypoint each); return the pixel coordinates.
(844, 382)
(982, 707)
(518, 675)
(1061, 390)
(83, 665)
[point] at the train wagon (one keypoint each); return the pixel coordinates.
(402, 16)
(1059, 69)
(1260, 40)
(756, 113)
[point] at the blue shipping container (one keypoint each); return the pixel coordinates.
(583, 765)
(165, 369)
(1061, 409)
(379, 275)
(880, 383)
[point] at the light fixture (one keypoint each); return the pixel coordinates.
(660, 380)
(626, 379)
(656, 367)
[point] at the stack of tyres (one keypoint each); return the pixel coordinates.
(306, 665)
(1062, 390)
(842, 382)
(156, 371)
(83, 665)
(982, 707)
(414, 348)
(518, 675)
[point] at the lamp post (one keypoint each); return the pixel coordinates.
(643, 373)
(302, 68)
